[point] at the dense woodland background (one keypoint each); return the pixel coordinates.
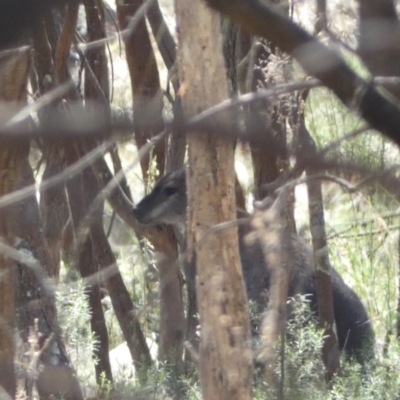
(101, 99)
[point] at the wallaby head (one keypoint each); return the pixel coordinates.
(166, 204)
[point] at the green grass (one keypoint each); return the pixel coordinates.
(364, 234)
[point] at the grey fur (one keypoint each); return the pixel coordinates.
(167, 204)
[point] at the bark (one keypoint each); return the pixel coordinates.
(14, 67)
(102, 258)
(267, 120)
(171, 281)
(117, 165)
(53, 202)
(398, 296)
(54, 205)
(177, 139)
(270, 227)
(192, 310)
(145, 81)
(88, 266)
(263, 120)
(64, 42)
(163, 239)
(268, 161)
(147, 116)
(123, 306)
(165, 41)
(123, 184)
(230, 34)
(51, 30)
(172, 324)
(64, 45)
(96, 68)
(176, 147)
(240, 198)
(36, 297)
(225, 358)
(317, 60)
(323, 283)
(97, 89)
(7, 284)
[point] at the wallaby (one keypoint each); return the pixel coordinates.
(167, 204)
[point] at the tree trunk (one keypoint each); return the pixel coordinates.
(323, 283)
(36, 297)
(147, 116)
(14, 67)
(164, 242)
(53, 201)
(97, 84)
(146, 92)
(42, 232)
(80, 203)
(122, 303)
(165, 41)
(225, 356)
(7, 282)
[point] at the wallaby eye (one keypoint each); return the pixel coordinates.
(170, 190)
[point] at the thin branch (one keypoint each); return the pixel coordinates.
(62, 177)
(317, 60)
(43, 101)
(250, 98)
(110, 187)
(133, 23)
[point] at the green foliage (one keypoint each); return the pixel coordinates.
(301, 368)
(363, 242)
(303, 361)
(74, 317)
(381, 381)
(362, 227)
(160, 385)
(328, 120)
(369, 265)
(303, 372)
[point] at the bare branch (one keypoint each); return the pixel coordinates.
(317, 60)
(64, 176)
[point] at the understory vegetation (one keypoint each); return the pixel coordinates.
(106, 258)
(363, 245)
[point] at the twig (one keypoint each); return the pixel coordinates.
(62, 177)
